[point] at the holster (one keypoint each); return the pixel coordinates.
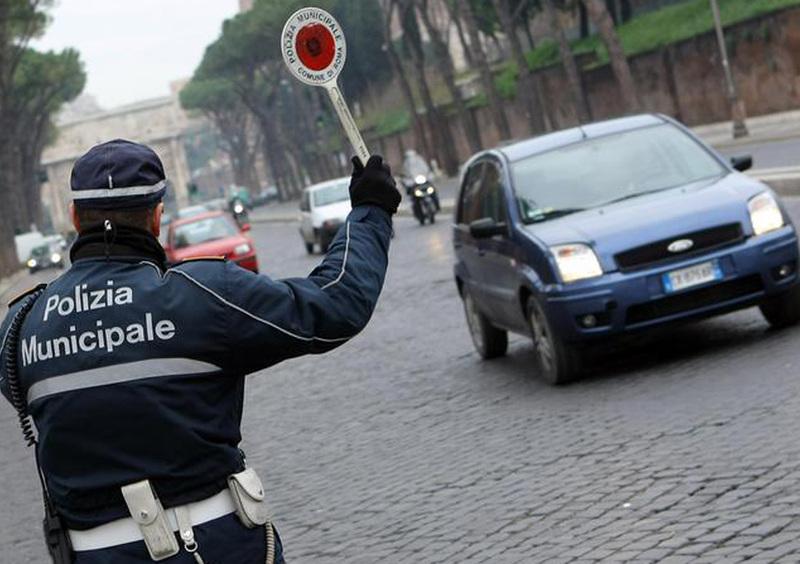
(147, 511)
(248, 496)
(56, 538)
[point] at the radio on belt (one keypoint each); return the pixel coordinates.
(315, 50)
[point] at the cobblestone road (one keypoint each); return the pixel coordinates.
(402, 446)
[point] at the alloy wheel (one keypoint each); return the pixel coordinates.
(542, 340)
(474, 323)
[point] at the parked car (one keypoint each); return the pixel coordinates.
(266, 195)
(213, 234)
(324, 209)
(46, 256)
(601, 230)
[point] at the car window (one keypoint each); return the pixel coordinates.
(598, 171)
(492, 194)
(326, 195)
(305, 204)
(202, 231)
(469, 208)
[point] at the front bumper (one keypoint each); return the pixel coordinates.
(622, 302)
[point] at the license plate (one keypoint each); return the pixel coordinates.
(692, 276)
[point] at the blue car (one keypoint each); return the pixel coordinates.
(606, 229)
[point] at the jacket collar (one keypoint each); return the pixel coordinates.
(119, 242)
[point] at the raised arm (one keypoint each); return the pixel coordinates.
(273, 320)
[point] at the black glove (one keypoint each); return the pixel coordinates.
(373, 185)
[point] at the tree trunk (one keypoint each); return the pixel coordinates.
(605, 26)
(405, 86)
(452, 8)
(440, 129)
(583, 20)
(445, 64)
(626, 10)
(495, 104)
(530, 87)
(579, 100)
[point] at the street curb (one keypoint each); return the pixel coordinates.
(9, 282)
(785, 181)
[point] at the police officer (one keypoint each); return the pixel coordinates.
(134, 371)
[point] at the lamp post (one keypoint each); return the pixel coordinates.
(738, 113)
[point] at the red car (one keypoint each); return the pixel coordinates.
(212, 234)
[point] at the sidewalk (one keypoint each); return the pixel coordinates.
(763, 129)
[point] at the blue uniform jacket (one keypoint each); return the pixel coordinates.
(136, 371)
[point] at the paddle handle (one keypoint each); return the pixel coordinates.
(348, 123)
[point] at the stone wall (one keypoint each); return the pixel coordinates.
(684, 80)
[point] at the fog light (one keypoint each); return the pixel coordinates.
(784, 270)
(589, 321)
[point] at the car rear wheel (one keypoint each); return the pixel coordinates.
(782, 310)
(489, 341)
(557, 361)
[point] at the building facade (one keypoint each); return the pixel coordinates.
(159, 123)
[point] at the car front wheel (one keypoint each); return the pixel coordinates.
(309, 248)
(556, 360)
(782, 310)
(489, 341)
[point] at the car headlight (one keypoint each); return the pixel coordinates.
(576, 262)
(765, 214)
(56, 257)
(420, 179)
(418, 193)
(429, 190)
(32, 263)
(242, 249)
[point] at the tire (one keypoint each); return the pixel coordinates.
(782, 310)
(489, 341)
(421, 220)
(309, 248)
(557, 361)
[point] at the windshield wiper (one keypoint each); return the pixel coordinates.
(544, 215)
(635, 195)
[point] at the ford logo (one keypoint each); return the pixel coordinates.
(680, 245)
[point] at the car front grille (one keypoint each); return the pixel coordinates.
(655, 253)
(694, 299)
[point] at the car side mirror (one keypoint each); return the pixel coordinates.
(487, 227)
(742, 162)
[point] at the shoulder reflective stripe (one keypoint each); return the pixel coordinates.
(344, 261)
(78, 194)
(119, 374)
(255, 317)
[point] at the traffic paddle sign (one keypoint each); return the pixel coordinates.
(315, 50)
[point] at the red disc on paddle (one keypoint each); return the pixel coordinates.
(315, 46)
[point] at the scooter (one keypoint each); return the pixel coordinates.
(424, 199)
(240, 214)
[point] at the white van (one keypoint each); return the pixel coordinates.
(324, 209)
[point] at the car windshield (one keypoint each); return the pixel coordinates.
(40, 251)
(615, 167)
(338, 192)
(202, 231)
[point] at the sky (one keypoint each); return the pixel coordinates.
(133, 49)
